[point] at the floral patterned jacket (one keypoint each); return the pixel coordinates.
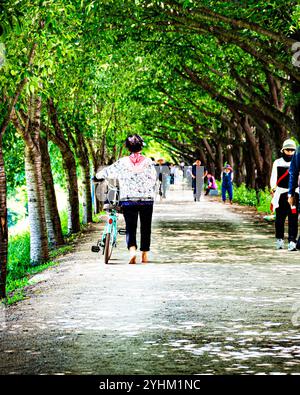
(137, 181)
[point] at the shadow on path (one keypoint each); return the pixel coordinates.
(217, 298)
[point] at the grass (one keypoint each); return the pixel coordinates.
(265, 202)
(19, 268)
(247, 197)
(18, 279)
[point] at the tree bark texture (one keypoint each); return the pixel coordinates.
(3, 226)
(55, 234)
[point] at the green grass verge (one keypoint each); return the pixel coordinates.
(19, 268)
(247, 197)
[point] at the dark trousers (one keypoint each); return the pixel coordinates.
(227, 188)
(282, 212)
(197, 188)
(131, 214)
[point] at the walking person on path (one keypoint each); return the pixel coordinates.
(189, 176)
(163, 172)
(137, 178)
(198, 175)
(227, 183)
(172, 173)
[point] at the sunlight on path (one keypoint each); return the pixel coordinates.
(216, 298)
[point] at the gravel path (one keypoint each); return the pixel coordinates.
(216, 298)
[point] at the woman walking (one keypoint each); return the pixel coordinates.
(137, 178)
(280, 183)
(227, 183)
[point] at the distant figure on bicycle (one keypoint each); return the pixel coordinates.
(137, 179)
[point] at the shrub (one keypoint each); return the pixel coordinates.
(244, 195)
(18, 255)
(265, 201)
(247, 196)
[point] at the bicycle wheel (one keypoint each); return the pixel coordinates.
(108, 248)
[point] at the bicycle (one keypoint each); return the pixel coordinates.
(108, 240)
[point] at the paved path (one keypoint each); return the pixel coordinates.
(216, 298)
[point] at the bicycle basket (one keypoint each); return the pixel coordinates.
(108, 192)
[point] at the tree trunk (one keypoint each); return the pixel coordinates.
(200, 154)
(253, 144)
(296, 108)
(3, 193)
(230, 156)
(3, 226)
(267, 160)
(250, 168)
(69, 165)
(55, 234)
(219, 160)
(36, 206)
(87, 198)
(103, 150)
(72, 185)
(83, 157)
(237, 153)
(255, 154)
(209, 150)
(39, 251)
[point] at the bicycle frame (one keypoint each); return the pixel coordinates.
(110, 233)
(111, 227)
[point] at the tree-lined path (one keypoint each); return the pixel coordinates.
(201, 79)
(216, 298)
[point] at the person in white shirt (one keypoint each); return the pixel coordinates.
(137, 178)
(280, 185)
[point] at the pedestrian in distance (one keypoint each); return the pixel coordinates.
(227, 183)
(189, 176)
(163, 174)
(198, 175)
(172, 173)
(137, 178)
